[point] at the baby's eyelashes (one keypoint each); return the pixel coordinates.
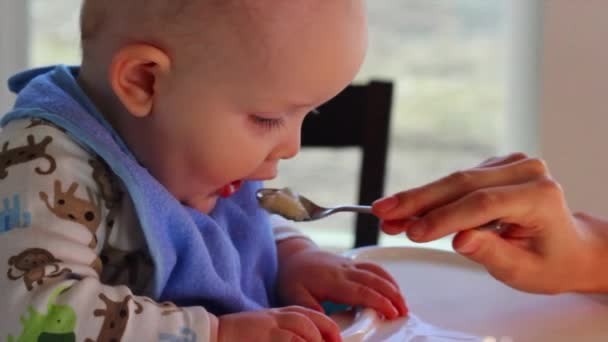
(268, 123)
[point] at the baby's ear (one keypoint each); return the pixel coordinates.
(135, 74)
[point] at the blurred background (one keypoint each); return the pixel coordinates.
(473, 79)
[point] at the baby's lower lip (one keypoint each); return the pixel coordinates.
(229, 189)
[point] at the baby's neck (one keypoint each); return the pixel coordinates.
(96, 87)
(139, 134)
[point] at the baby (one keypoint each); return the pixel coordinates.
(128, 182)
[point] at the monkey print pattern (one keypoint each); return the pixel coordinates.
(116, 316)
(69, 207)
(41, 122)
(33, 263)
(167, 308)
(24, 154)
(131, 268)
(186, 335)
(56, 324)
(107, 185)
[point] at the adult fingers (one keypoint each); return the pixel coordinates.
(395, 227)
(420, 200)
(506, 262)
(503, 160)
(522, 205)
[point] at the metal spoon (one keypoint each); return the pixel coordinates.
(298, 208)
(304, 209)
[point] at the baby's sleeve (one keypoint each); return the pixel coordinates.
(283, 229)
(52, 229)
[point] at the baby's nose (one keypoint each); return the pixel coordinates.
(291, 151)
(289, 146)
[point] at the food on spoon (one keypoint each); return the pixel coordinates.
(286, 203)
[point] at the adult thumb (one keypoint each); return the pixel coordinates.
(502, 259)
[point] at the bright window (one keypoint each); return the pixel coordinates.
(448, 61)
(54, 32)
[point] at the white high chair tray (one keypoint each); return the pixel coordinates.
(449, 291)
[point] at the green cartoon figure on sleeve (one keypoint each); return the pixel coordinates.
(57, 325)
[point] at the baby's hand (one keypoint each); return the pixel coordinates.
(309, 276)
(288, 324)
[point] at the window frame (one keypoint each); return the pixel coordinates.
(523, 89)
(14, 44)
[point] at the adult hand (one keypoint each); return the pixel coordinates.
(542, 246)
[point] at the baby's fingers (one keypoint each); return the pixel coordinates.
(399, 302)
(286, 336)
(299, 324)
(384, 296)
(317, 325)
(353, 292)
(301, 296)
(378, 270)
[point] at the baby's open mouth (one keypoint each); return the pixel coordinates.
(229, 189)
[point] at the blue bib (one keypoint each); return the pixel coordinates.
(225, 261)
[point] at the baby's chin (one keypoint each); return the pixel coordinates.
(204, 204)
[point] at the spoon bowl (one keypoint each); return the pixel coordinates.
(298, 208)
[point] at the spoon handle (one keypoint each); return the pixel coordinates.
(363, 209)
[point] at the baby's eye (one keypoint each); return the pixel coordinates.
(267, 123)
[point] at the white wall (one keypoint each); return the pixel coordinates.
(13, 45)
(574, 100)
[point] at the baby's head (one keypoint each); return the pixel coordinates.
(208, 93)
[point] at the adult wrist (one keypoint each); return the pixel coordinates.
(594, 263)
